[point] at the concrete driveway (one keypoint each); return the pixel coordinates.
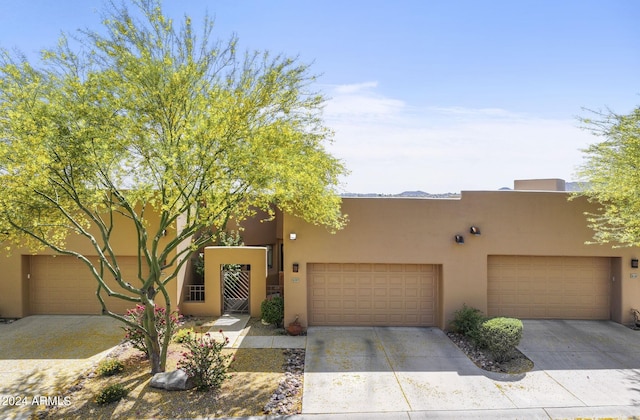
(41, 356)
(582, 369)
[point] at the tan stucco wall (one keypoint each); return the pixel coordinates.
(214, 257)
(14, 266)
(421, 231)
(393, 230)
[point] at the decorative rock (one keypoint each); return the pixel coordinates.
(177, 380)
(282, 402)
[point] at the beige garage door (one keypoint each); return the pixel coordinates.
(64, 285)
(549, 287)
(372, 294)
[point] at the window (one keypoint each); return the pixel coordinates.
(270, 256)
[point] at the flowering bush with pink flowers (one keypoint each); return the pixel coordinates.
(205, 361)
(136, 336)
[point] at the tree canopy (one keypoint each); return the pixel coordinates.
(145, 116)
(611, 172)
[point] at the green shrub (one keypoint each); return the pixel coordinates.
(109, 367)
(272, 310)
(111, 393)
(204, 360)
(467, 322)
(183, 334)
(501, 336)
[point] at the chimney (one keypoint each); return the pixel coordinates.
(550, 184)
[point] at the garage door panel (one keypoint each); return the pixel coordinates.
(426, 295)
(360, 319)
(387, 294)
(411, 306)
(319, 293)
(396, 292)
(359, 304)
(350, 281)
(549, 287)
(365, 280)
(349, 268)
(408, 318)
(64, 285)
(333, 305)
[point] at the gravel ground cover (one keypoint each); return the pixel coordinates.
(255, 327)
(263, 381)
(518, 363)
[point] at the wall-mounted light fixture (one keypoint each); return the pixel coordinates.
(634, 263)
(296, 267)
(459, 239)
(474, 230)
(293, 236)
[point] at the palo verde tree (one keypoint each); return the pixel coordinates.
(611, 172)
(145, 118)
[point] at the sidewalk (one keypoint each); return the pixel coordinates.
(234, 327)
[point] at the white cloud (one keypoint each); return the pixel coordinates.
(354, 88)
(359, 101)
(391, 147)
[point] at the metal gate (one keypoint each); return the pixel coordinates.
(235, 290)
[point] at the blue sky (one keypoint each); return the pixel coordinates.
(439, 96)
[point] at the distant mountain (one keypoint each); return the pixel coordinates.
(414, 194)
(405, 194)
(569, 186)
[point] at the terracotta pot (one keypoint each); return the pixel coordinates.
(294, 328)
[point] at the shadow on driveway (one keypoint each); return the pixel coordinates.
(42, 356)
(577, 344)
(590, 367)
(58, 337)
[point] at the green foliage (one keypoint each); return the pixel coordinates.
(612, 179)
(111, 393)
(142, 123)
(182, 335)
(205, 361)
(501, 336)
(467, 321)
(137, 336)
(198, 269)
(272, 310)
(109, 367)
(232, 238)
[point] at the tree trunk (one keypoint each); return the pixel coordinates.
(155, 359)
(153, 343)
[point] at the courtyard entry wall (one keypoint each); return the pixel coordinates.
(214, 258)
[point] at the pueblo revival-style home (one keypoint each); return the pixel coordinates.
(398, 262)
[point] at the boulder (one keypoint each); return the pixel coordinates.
(176, 380)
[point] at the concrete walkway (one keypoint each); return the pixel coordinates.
(582, 369)
(234, 327)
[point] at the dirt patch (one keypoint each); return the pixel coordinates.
(198, 324)
(517, 363)
(255, 327)
(255, 378)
